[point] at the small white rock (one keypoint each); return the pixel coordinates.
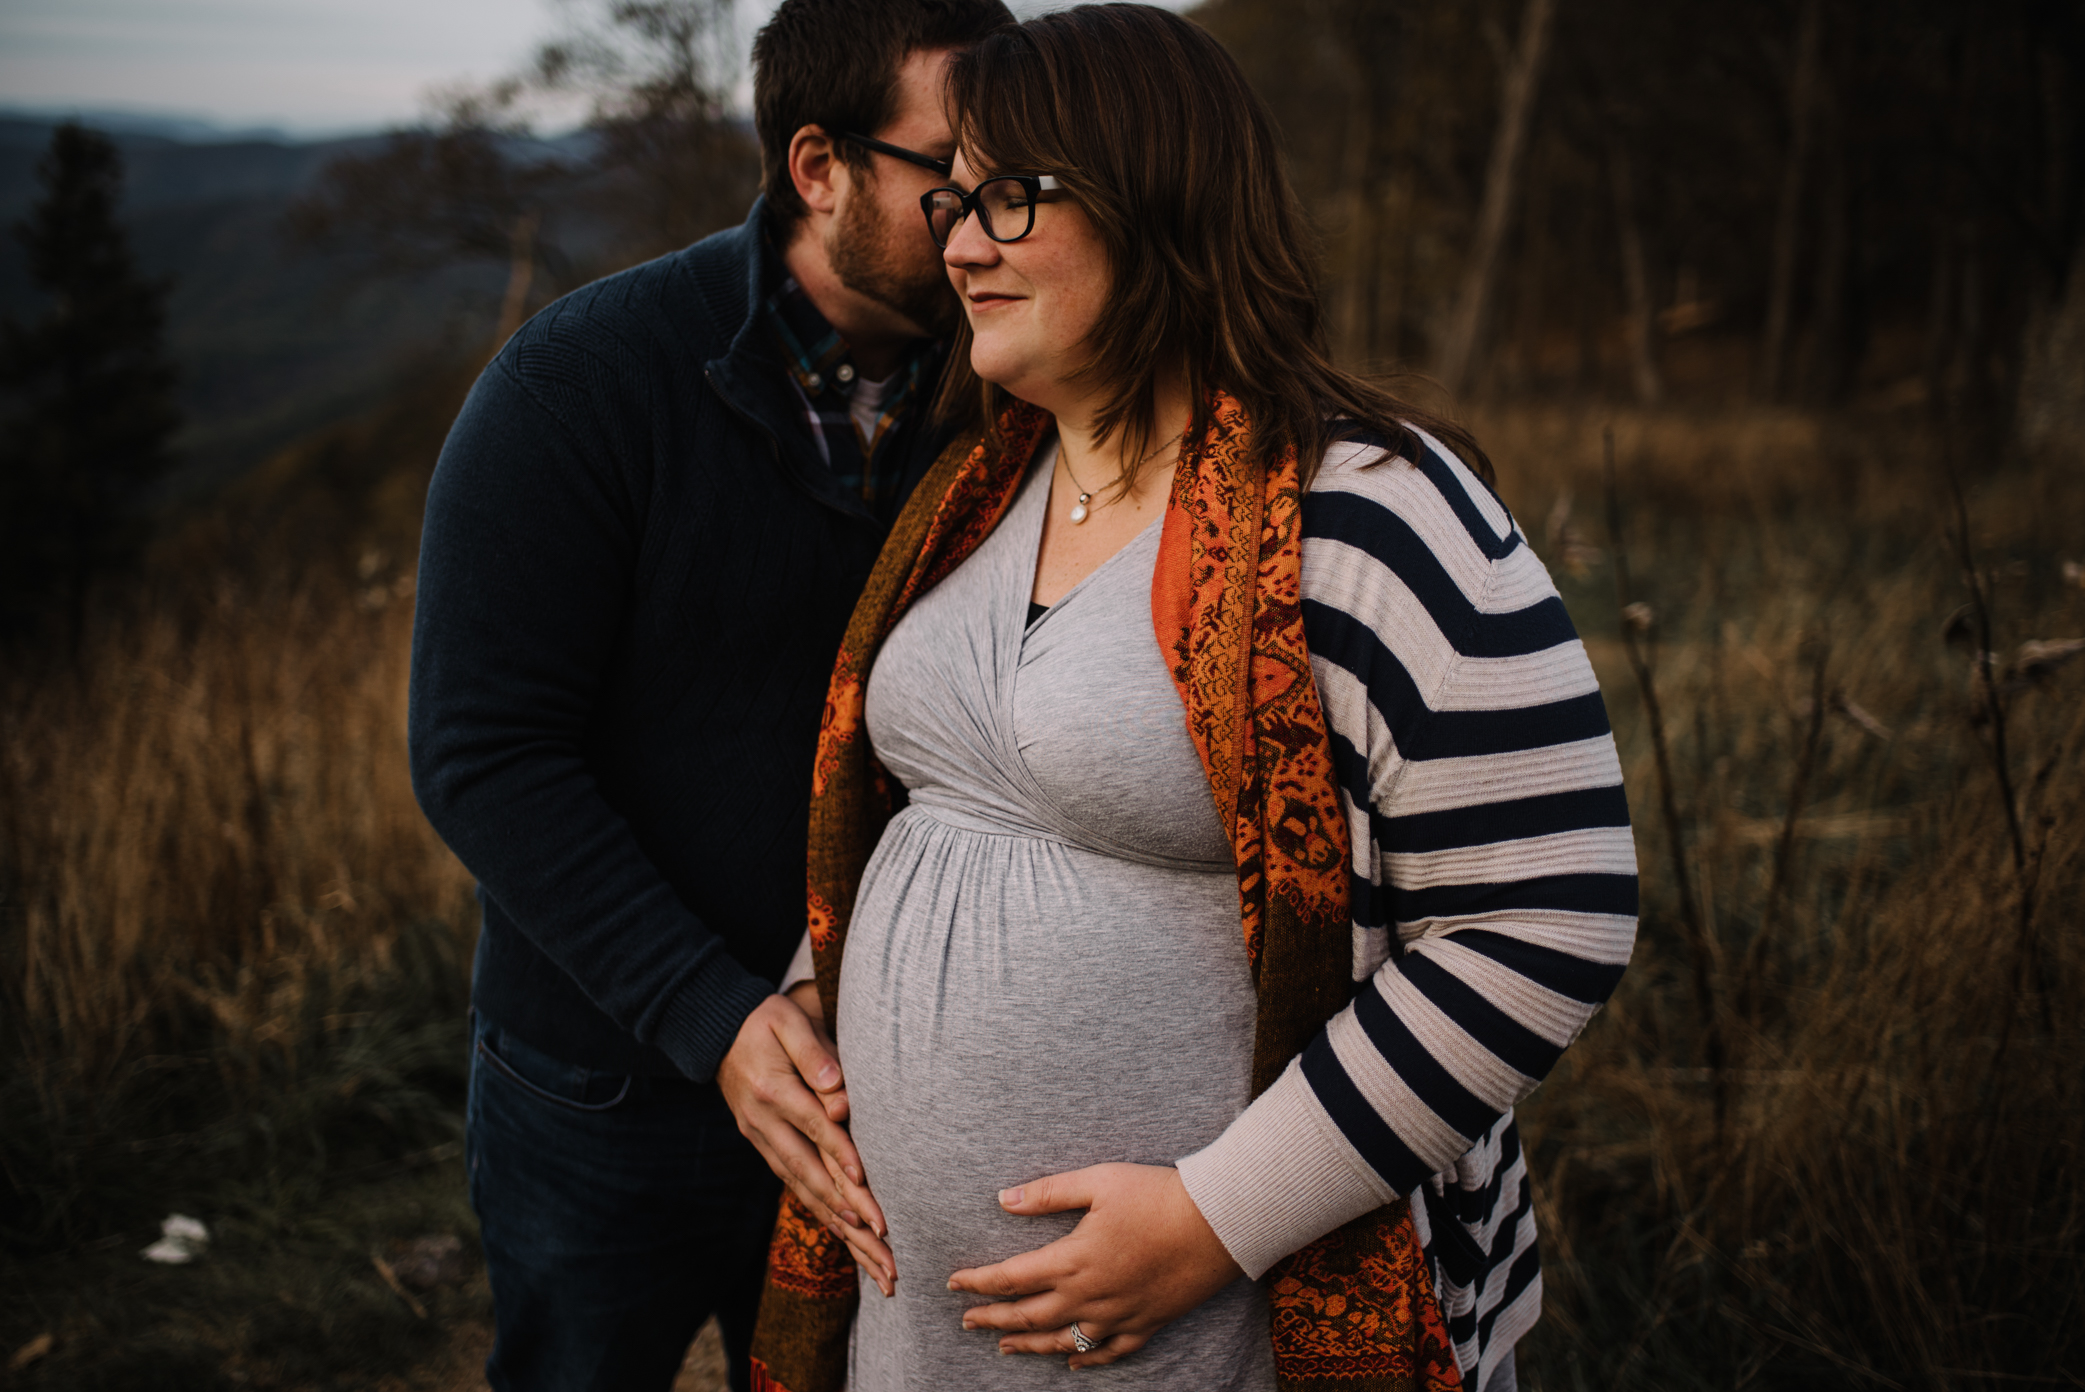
(181, 1240)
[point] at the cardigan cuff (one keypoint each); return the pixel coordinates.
(698, 1026)
(801, 967)
(1280, 1177)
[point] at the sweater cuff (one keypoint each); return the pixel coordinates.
(1280, 1177)
(801, 967)
(699, 1025)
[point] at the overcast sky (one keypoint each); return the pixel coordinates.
(307, 66)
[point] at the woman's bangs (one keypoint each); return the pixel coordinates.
(1004, 113)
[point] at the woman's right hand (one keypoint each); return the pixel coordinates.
(784, 1086)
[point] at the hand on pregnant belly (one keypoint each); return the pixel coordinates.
(789, 1097)
(1142, 1257)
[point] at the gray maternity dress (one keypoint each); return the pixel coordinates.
(1044, 970)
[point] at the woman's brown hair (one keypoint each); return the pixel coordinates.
(1149, 124)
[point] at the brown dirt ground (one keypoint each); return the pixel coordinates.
(463, 1369)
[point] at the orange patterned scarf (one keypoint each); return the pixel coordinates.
(1355, 1310)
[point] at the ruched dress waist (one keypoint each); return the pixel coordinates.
(1044, 968)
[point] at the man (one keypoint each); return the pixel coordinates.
(643, 540)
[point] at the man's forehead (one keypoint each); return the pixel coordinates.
(919, 105)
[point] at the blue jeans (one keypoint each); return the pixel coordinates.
(617, 1213)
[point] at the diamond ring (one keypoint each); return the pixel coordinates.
(1079, 1340)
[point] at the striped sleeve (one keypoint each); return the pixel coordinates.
(1493, 888)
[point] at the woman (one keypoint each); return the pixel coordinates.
(1232, 987)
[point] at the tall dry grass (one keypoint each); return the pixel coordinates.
(228, 939)
(1828, 1135)
(219, 881)
(217, 809)
(1891, 1196)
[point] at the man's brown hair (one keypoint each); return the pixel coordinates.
(1147, 121)
(834, 63)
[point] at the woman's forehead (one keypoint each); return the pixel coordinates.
(971, 168)
(971, 155)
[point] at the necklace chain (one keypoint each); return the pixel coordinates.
(1078, 510)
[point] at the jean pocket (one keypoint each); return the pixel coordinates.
(547, 1079)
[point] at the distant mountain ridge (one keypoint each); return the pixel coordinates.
(272, 340)
(167, 125)
(160, 170)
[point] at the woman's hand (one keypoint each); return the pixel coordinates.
(1142, 1257)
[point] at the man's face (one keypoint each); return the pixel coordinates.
(877, 241)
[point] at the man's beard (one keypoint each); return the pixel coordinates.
(870, 258)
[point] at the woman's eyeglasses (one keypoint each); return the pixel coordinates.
(1004, 204)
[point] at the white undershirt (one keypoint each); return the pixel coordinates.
(865, 403)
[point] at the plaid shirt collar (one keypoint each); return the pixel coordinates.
(822, 366)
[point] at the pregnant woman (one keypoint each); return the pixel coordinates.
(1216, 827)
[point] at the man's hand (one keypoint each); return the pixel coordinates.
(784, 1085)
(1142, 1257)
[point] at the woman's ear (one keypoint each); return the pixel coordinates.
(813, 165)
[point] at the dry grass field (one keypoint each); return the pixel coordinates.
(1828, 1134)
(1829, 1131)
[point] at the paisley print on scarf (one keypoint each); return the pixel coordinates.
(806, 1257)
(1356, 1309)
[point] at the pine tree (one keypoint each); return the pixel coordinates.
(87, 391)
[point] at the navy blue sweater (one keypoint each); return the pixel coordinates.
(634, 574)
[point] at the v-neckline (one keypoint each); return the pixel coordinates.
(1046, 454)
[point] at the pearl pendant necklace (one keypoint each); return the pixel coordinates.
(1078, 510)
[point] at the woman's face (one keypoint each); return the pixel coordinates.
(1031, 303)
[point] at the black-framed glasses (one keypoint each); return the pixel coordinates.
(1004, 204)
(884, 147)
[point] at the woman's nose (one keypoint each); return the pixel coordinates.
(969, 246)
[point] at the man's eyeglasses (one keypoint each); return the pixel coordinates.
(1004, 204)
(881, 147)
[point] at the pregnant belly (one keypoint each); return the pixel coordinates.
(1011, 1008)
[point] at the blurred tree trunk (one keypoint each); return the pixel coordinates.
(1636, 279)
(1967, 388)
(1940, 309)
(1591, 306)
(1393, 265)
(2050, 411)
(1830, 353)
(1515, 361)
(1964, 404)
(1802, 115)
(1352, 340)
(2052, 376)
(521, 275)
(1501, 185)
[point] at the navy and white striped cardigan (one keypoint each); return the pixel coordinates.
(1494, 891)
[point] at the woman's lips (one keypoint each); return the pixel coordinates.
(985, 299)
